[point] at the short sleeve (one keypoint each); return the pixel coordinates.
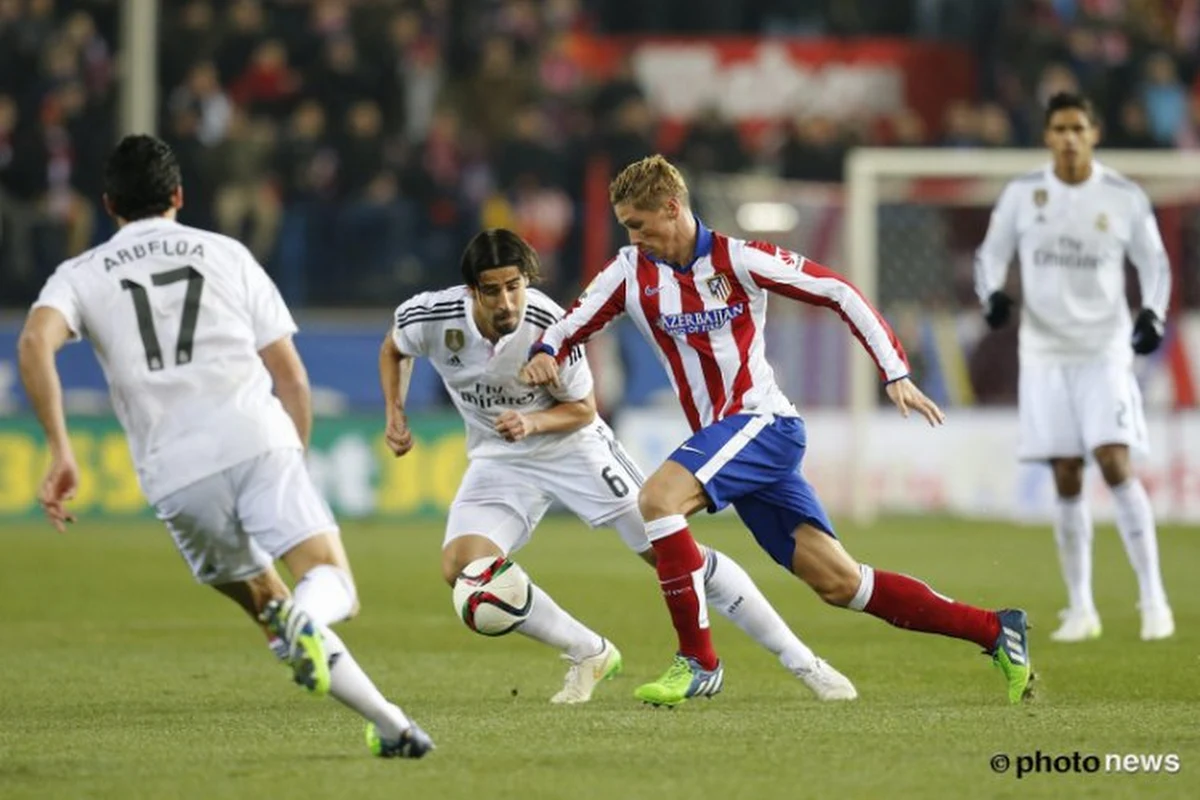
(409, 324)
(269, 315)
(574, 378)
(61, 294)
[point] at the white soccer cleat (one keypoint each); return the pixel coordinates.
(1077, 626)
(1157, 623)
(826, 682)
(584, 674)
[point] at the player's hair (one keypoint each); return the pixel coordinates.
(140, 177)
(1065, 100)
(647, 184)
(498, 247)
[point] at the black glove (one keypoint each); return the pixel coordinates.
(1147, 332)
(998, 310)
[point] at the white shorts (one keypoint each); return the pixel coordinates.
(1068, 410)
(231, 526)
(503, 501)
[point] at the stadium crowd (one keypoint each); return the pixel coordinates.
(356, 145)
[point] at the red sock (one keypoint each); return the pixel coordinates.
(678, 559)
(909, 603)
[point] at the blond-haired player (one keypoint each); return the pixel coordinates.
(700, 299)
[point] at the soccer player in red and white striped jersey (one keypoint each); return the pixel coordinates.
(700, 299)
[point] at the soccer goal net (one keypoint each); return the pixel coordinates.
(904, 228)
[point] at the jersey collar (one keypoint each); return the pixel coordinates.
(1098, 171)
(139, 226)
(704, 245)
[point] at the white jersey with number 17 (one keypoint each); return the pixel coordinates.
(177, 317)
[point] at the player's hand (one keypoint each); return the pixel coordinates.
(541, 370)
(905, 394)
(1147, 332)
(998, 310)
(59, 485)
(514, 426)
(399, 437)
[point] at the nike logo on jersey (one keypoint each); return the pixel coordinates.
(690, 449)
(652, 290)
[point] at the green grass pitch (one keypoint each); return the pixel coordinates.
(122, 678)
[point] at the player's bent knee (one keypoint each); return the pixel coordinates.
(463, 550)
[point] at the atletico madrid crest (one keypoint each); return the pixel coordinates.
(718, 287)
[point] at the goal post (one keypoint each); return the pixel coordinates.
(877, 177)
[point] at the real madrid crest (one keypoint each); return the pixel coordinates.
(455, 339)
(1102, 222)
(1040, 196)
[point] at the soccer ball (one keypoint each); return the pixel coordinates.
(492, 595)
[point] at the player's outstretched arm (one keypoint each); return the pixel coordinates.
(45, 332)
(564, 417)
(905, 394)
(784, 272)
(290, 379)
(395, 373)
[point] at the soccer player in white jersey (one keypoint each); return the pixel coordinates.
(192, 335)
(700, 299)
(1072, 223)
(529, 445)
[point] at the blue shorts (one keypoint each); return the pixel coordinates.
(753, 462)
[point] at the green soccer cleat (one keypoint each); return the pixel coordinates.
(685, 678)
(306, 650)
(1011, 654)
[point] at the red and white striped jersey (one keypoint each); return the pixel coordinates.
(706, 321)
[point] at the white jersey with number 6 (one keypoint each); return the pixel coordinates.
(177, 316)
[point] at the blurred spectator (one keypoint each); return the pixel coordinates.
(813, 150)
(201, 95)
(713, 145)
(247, 206)
(961, 125)
(995, 128)
(1165, 99)
(268, 83)
(243, 31)
(190, 37)
(1132, 131)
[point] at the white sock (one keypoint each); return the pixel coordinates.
(326, 593)
(1135, 521)
(351, 686)
(1073, 534)
(549, 624)
(736, 597)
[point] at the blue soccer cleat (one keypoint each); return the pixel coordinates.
(1011, 654)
